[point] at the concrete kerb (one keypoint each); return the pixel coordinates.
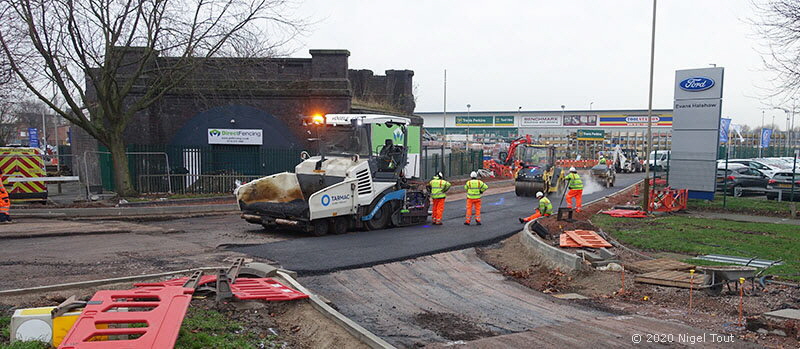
(350, 326)
(112, 212)
(552, 256)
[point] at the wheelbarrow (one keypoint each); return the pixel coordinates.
(725, 274)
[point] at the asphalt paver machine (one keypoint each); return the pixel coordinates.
(356, 181)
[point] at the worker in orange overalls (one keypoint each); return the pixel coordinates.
(438, 187)
(545, 208)
(5, 205)
(475, 187)
(575, 189)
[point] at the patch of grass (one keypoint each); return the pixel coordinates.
(710, 236)
(5, 330)
(203, 328)
(743, 205)
(25, 345)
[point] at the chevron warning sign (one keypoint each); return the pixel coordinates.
(23, 162)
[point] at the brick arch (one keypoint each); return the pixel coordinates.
(276, 133)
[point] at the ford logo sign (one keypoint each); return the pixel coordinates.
(696, 84)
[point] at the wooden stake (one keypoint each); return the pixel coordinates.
(691, 287)
(741, 300)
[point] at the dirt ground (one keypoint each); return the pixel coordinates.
(452, 326)
(143, 248)
(297, 323)
(605, 288)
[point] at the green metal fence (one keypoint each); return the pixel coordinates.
(151, 164)
(749, 151)
(453, 164)
(214, 169)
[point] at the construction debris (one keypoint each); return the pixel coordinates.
(784, 322)
(647, 266)
(673, 278)
(582, 238)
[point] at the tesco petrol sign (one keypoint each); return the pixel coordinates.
(696, 84)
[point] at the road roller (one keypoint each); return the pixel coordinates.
(538, 170)
(604, 174)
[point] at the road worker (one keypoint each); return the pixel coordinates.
(439, 187)
(5, 205)
(575, 189)
(602, 160)
(545, 208)
(475, 187)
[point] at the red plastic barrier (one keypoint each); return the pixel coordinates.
(626, 213)
(668, 200)
(167, 307)
(177, 282)
(244, 288)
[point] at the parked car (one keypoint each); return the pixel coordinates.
(740, 176)
(763, 166)
(782, 181)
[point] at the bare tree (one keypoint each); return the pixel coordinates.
(778, 22)
(78, 52)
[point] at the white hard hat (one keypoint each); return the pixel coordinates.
(572, 169)
(539, 194)
(473, 174)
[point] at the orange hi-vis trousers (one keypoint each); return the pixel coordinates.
(438, 210)
(576, 194)
(476, 203)
(535, 215)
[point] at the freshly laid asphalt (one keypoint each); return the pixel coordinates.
(500, 212)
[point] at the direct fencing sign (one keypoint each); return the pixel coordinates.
(235, 136)
(696, 131)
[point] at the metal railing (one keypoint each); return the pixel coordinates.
(450, 163)
(191, 183)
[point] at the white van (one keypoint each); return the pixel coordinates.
(658, 159)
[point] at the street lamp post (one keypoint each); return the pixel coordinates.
(590, 106)
(791, 129)
(762, 132)
(646, 191)
(444, 116)
(788, 132)
(468, 121)
(519, 115)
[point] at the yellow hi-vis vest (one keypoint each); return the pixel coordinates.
(475, 187)
(545, 207)
(574, 181)
(438, 188)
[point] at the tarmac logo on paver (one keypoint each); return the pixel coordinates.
(326, 200)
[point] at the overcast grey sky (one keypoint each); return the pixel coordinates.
(541, 54)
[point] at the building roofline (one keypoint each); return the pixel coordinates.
(540, 111)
